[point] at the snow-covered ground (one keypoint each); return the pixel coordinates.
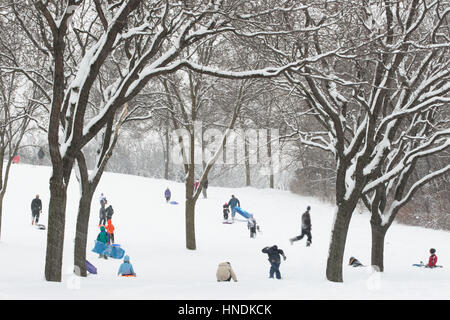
(152, 233)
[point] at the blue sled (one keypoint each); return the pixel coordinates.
(114, 251)
(242, 212)
(99, 247)
(173, 202)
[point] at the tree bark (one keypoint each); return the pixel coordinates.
(377, 252)
(190, 224)
(56, 225)
(84, 211)
(337, 244)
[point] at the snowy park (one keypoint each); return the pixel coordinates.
(152, 233)
(224, 149)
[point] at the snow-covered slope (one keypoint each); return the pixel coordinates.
(152, 233)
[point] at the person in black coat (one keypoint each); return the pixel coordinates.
(306, 228)
(36, 209)
(109, 212)
(103, 203)
(275, 255)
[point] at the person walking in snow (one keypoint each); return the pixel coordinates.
(225, 272)
(275, 260)
(36, 209)
(233, 203)
(126, 268)
(167, 194)
(306, 228)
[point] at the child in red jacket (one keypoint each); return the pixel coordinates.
(433, 259)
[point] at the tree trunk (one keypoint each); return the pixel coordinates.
(84, 211)
(378, 236)
(337, 244)
(1, 211)
(166, 153)
(247, 163)
(56, 225)
(190, 224)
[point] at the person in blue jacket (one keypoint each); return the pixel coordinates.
(233, 203)
(126, 268)
(167, 194)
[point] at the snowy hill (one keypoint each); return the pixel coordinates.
(152, 233)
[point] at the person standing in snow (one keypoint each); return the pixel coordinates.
(109, 211)
(252, 226)
(103, 203)
(126, 268)
(205, 189)
(36, 209)
(110, 230)
(226, 211)
(275, 260)
(233, 203)
(103, 237)
(225, 272)
(167, 194)
(306, 228)
(196, 184)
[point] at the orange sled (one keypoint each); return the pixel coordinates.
(129, 275)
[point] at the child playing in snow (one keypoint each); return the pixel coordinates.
(126, 269)
(103, 237)
(433, 259)
(252, 226)
(110, 230)
(226, 211)
(354, 262)
(275, 260)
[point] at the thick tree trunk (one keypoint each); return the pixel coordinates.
(337, 244)
(378, 236)
(1, 213)
(190, 224)
(56, 225)
(84, 211)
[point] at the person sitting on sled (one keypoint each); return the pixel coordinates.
(126, 268)
(433, 259)
(354, 262)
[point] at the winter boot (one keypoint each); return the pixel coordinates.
(308, 243)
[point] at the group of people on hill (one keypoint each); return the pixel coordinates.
(106, 236)
(106, 213)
